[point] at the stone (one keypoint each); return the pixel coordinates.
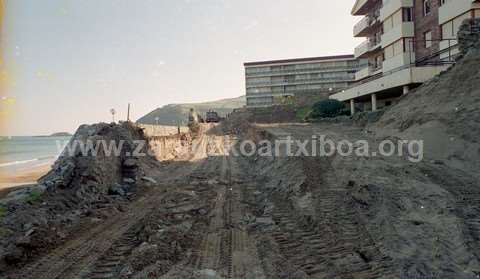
(129, 180)
(29, 232)
(207, 274)
(14, 255)
(264, 221)
(130, 163)
(117, 189)
(149, 179)
(23, 241)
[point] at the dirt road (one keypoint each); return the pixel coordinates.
(101, 250)
(215, 215)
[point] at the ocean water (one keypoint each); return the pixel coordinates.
(22, 153)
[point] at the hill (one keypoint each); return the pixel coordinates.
(173, 113)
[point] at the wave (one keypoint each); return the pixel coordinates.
(14, 163)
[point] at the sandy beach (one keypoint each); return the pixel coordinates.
(10, 181)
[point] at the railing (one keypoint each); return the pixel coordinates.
(433, 59)
(299, 71)
(436, 57)
(300, 81)
(298, 91)
(367, 46)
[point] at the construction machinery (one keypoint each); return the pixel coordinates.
(212, 117)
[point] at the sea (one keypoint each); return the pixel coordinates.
(23, 153)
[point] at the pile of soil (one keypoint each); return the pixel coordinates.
(91, 184)
(444, 112)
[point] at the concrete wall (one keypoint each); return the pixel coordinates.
(159, 130)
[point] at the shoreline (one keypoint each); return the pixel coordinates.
(13, 181)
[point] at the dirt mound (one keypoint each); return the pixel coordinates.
(88, 179)
(443, 112)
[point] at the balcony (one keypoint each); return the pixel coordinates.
(361, 7)
(367, 72)
(364, 26)
(403, 30)
(361, 26)
(454, 8)
(398, 61)
(392, 6)
(366, 47)
(363, 73)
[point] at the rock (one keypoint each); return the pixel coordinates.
(207, 274)
(28, 226)
(29, 232)
(149, 179)
(263, 222)
(117, 189)
(129, 180)
(14, 255)
(130, 163)
(23, 241)
(61, 235)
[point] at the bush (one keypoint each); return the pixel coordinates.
(3, 211)
(328, 108)
(33, 197)
(303, 113)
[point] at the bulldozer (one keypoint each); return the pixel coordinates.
(212, 117)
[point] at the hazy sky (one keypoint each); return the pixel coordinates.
(70, 61)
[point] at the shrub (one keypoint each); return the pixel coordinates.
(33, 197)
(303, 113)
(3, 211)
(328, 108)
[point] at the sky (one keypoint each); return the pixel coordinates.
(68, 62)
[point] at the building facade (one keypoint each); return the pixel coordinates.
(275, 82)
(407, 43)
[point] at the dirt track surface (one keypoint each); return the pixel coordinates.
(215, 215)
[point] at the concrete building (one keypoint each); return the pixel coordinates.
(276, 82)
(407, 43)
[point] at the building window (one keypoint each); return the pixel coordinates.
(407, 14)
(426, 7)
(428, 39)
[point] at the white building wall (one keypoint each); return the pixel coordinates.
(392, 6)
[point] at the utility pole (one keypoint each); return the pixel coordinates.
(128, 113)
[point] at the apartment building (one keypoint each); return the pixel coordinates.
(275, 82)
(407, 43)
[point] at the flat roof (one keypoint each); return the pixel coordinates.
(299, 60)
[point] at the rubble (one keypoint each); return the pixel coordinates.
(78, 183)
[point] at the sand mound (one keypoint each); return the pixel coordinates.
(443, 112)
